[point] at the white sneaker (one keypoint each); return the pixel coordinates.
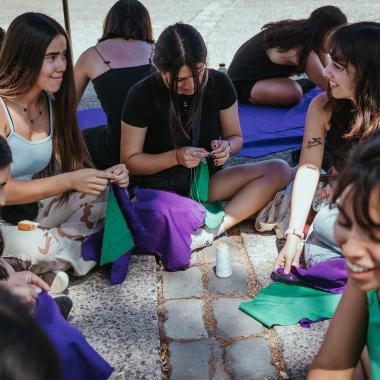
(201, 238)
(58, 281)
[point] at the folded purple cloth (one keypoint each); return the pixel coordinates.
(329, 276)
(79, 361)
(162, 222)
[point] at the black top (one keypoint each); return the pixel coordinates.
(112, 87)
(147, 106)
(251, 63)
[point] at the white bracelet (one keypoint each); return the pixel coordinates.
(296, 232)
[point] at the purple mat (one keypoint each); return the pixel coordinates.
(91, 118)
(329, 276)
(273, 129)
(78, 360)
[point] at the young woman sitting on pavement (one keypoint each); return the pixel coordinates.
(337, 119)
(52, 179)
(262, 65)
(356, 322)
(186, 112)
(25, 285)
(121, 58)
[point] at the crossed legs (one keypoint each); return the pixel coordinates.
(248, 188)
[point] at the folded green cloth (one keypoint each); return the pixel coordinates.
(199, 192)
(285, 304)
(117, 238)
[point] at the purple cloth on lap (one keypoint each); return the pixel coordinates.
(91, 118)
(329, 276)
(79, 361)
(162, 222)
(273, 129)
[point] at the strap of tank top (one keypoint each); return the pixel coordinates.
(50, 108)
(9, 118)
(151, 54)
(106, 62)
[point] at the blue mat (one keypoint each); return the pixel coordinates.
(273, 129)
(265, 129)
(91, 118)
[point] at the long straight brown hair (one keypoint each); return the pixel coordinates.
(22, 56)
(181, 45)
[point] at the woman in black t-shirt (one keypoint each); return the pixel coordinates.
(262, 65)
(186, 112)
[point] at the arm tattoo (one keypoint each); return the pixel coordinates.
(314, 141)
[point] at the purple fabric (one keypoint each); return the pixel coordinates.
(162, 222)
(120, 268)
(273, 129)
(329, 276)
(306, 323)
(91, 250)
(91, 118)
(79, 361)
(92, 246)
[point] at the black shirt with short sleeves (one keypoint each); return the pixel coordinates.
(147, 106)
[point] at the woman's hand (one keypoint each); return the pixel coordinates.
(26, 286)
(221, 151)
(289, 254)
(190, 157)
(90, 181)
(121, 175)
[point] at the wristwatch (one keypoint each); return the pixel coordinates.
(296, 232)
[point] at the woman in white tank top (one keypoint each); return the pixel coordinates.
(50, 161)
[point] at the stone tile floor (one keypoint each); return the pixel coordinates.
(208, 337)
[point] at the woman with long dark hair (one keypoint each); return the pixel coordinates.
(121, 58)
(261, 67)
(337, 120)
(52, 179)
(185, 113)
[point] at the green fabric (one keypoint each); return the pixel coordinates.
(214, 214)
(199, 192)
(199, 185)
(373, 333)
(285, 304)
(117, 238)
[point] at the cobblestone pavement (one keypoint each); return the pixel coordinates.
(208, 337)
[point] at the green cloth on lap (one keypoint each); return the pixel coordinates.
(283, 304)
(117, 238)
(199, 192)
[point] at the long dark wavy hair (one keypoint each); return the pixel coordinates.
(128, 19)
(358, 45)
(22, 56)
(181, 45)
(360, 177)
(308, 34)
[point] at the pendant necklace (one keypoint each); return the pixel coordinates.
(33, 119)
